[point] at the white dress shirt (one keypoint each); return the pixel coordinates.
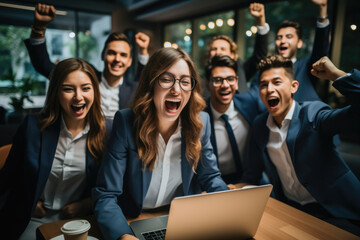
(109, 97)
(166, 175)
(67, 179)
(240, 128)
(280, 156)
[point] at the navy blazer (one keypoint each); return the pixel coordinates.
(306, 90)
(25, 173)
(248, 68)
(41, 61)
(318, 165)
(122, 184)
(250, 106)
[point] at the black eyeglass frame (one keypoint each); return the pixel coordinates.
(223, 79)
(193, 81)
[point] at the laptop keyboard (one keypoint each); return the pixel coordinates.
(155, 235)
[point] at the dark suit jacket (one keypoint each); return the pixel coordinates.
(318, 165)
(41, 61)
(250, 106)
(306, 91)
(122, 184)
(25, 173)
(247, 69)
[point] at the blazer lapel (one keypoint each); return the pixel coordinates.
(186, 171)
(146, 178)
(49, 142)
(293, 131)
(212, 136)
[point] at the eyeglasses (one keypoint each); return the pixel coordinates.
(167, 80)
(217, 81)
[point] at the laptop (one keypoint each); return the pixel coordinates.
(232, 214)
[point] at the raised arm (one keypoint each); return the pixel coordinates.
(42, 16)
(37, 51)
(325, 69)
(322, 4)
(257, 10)
(143, 41)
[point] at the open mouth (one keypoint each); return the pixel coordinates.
(283, 48)
(273, 102)
(116, 67)
(172, 104)
(78, 108)
(224, 93)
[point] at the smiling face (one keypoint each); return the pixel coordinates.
(117, 60)
(170, 102)
(276, 92)
(222, 95)
(220, 47)
(76, 96)
(287, 42)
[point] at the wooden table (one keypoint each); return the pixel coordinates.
(279, 221)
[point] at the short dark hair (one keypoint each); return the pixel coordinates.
(291, 23)
(219, 61)
(277, 61)
(115, 36)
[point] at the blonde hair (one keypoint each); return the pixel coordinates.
(95, 117)
(233, 46)
(145, 125)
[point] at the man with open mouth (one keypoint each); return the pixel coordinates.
(293, 143)
(289, 39)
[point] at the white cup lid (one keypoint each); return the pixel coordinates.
(75, 227)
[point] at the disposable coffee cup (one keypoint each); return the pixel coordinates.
(76, 230)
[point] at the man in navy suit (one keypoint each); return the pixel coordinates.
(293, 143)
(289, 40)
(241, 109)
(115, 87)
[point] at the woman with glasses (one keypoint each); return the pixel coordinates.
(158, 149)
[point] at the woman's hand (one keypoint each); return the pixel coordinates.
(128, 237)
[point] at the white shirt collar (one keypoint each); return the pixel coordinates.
(230, 111)
(106, 84)
(270, 123)
(63, 127)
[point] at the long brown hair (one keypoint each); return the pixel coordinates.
(95, 117)
(145, 125)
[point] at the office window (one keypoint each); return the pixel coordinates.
(179, 35)
(71, 34)
(305, 12)
(209, 26)
(350, 51)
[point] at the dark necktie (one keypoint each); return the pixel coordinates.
(234, 147)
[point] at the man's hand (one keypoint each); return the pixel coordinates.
(322, 4)
(77, 209)
(257, 10)
(325, 69)
(43, 15)
(39, 211)
(143, 41)
(128, 237)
